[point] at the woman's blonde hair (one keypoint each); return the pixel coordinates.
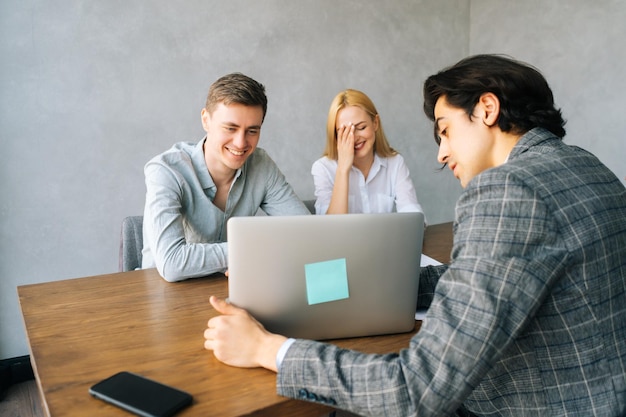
(355, 98)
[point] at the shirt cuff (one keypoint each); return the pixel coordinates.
(280, 355)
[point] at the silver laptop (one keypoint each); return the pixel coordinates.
(327, 277)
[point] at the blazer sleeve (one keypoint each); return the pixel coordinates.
(506, 253)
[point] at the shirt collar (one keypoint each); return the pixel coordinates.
(199, 165)
(377, 164)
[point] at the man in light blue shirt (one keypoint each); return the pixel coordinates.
(193, 189)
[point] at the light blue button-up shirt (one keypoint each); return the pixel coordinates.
(184, 233)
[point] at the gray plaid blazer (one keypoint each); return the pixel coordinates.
(529, 318)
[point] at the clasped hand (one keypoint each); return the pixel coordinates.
(237, 339)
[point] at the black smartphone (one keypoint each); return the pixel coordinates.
(140, 395)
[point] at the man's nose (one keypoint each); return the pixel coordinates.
(239, 139)
(444, 150)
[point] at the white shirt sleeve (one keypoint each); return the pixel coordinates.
(280, 355)
(323, 179)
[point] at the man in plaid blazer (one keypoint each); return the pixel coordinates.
(529, 317)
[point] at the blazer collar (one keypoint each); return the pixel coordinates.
(531, 139)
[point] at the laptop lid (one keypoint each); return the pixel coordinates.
(327, 277)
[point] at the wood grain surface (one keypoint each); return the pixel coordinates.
(83, 330)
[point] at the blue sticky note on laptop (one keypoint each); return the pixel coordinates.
(326, 281)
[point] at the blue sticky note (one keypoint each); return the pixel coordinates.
(326, 281)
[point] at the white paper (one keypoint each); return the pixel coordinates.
(427, 260)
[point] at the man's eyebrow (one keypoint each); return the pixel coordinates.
(437, 130)
(233, 124)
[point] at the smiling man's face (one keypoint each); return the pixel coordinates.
(233, 132)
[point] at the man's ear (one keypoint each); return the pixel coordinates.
(204, 117)
(490, 108)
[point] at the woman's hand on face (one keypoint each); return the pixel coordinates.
(345, 147)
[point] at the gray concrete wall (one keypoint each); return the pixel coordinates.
(579, 46)
(89, 91)
(92, 90)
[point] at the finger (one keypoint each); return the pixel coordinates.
(339, 133)
(351, 132)
(347, 136)
(222, 306)
(208, 334)
(345, 130)
(208, 344)
(212, 323)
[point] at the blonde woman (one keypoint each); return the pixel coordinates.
(359, 171)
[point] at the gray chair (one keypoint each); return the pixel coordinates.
(131, 243)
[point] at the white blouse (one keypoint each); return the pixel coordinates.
(388, 186)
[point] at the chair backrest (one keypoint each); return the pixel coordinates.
(131, 243)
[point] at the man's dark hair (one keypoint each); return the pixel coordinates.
(236, 88)
(526, 100)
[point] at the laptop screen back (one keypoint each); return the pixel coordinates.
(326, 277)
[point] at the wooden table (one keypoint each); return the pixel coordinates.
(83, 330)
